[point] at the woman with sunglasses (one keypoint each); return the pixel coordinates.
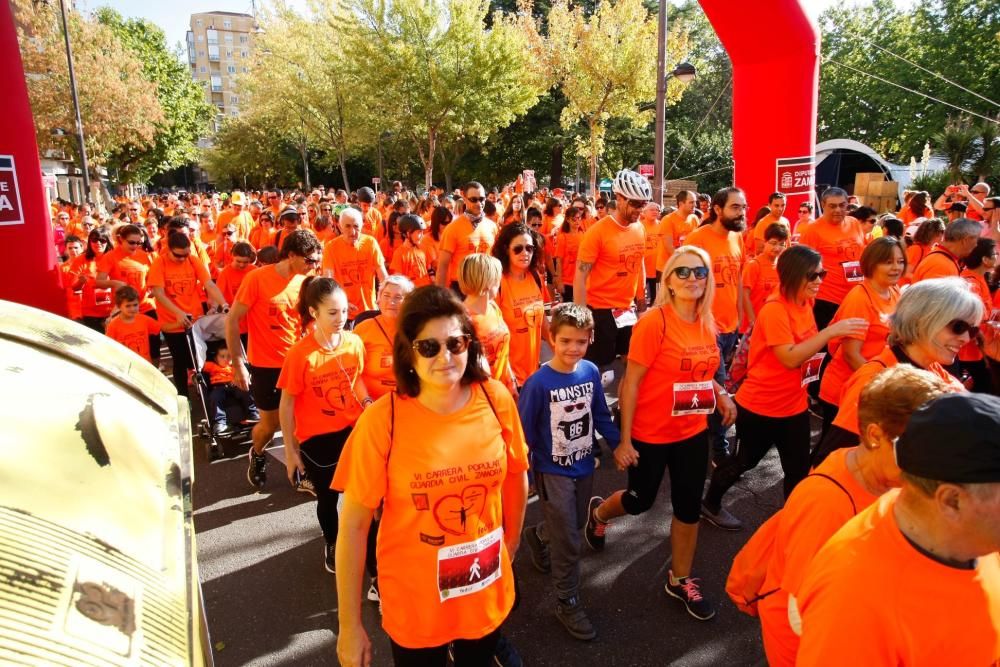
(322, 396)
(445, 457)
(262, 235)
(521, 297)
(129, 264)
(933, 320)
(786, 352)
(567, 245)
(979, 268)
(665, 399)
(96, 304)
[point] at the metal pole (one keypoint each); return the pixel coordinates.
(76, 105)
(661, 101)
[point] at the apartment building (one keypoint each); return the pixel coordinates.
(220, 45)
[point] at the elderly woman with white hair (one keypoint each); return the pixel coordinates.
(934, 319)
(355, 261)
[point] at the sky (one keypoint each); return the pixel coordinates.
(174, 17)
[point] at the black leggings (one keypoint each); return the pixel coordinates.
(320, 454)
(686, 461)
(835, 438)
(154, 341)
(756, 434)
(467, 652)
(95, 323)
(180, 356)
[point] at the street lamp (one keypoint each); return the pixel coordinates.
(76, 105)
(685, 73)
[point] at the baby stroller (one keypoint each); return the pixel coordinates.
(206, 336)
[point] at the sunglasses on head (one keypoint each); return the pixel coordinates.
(518, 249)
(684, 272)
(428, 348)
(959, 327)
(813, 275)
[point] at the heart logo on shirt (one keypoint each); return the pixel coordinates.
(454, 512)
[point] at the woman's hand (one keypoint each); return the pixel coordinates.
(625, 454)
(354, 649)
(726, 407)
(851, 326)
(293, 463)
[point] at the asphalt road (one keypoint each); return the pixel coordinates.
(270, 602)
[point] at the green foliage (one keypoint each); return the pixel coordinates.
(933, 182)
(957, 38)
(186, 113)
(252, 151)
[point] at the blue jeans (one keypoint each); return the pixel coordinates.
(223, 396)
(727, 343)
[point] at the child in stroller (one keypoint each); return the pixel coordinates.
(229, 407)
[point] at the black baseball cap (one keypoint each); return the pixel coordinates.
(953, 438)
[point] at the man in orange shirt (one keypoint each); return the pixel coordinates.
(926, 557)
(960, 238)
(776, 202)
(610, 269)
(722, 238)
(674, 227)
(355, 260)
(468, 233)
(373, 224)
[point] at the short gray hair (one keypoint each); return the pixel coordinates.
(402, 282)
(833, 192)
(928, 306)
(961, 229)
(352, 213)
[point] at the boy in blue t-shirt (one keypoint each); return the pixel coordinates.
(561, 405)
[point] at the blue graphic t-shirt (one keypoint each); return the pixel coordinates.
(559, 413)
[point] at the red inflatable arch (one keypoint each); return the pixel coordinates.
(773, 45)
(774, 48)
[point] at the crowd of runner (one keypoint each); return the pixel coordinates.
(396, 342)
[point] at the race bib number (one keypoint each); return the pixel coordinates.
(810, 369)
(624, 317)
(693, 398)
(464, 569)
(852, 271)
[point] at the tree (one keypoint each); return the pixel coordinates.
(248, 151)
(118, 106)
(959, 35)
(186, 113)
(431, 64)
(603, 67)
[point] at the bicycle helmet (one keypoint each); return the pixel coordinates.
(410, 223)
(631, 185)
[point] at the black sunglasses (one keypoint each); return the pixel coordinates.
(475, 200)
(518, 249)
(959, 327)
(684, 272)
(813, 275)
(428, 348)
(176, 256)
(134, 243)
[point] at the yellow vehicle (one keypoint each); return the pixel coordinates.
(97, 552)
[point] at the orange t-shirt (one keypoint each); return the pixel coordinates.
(763, 224)
(814, 511)
(461, 239)
(850, 395)
(261, 236)
(616, 254)
(218, 374)
(907, 215)
(770, 389)
(676, 394)
(272, 319)
(322, 382)
(372, 224)
(229, 282)
(761, 278)
(727, 255)
(914, 255)
(135, 334)
(652, 230)
(94, 301)
(444, 570)
(970, 351)
(840, 247)
(677, 226)
(566, 250)
(896, 620)
(938, 263)
(862, 301)
(494, 337)
(181, 283)
(377, 333)
(74, 297)
(355, 268)
(411, 261)
(430, 248)
(523, 308)
(131, 270)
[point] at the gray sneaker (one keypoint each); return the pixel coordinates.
(721, 519)
(571, 614)
(538, 549)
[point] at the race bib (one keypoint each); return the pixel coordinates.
(464, 569)
(624, 317)
(852, 271)
(693, 398)
(810, 369)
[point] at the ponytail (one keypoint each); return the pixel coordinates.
(314, 290)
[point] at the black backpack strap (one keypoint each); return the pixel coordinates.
(840, 486)
(490, 401)
(382, 329)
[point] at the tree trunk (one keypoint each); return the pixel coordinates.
(429, 162)
(556, 166)
(593, 159)
(343, 171)
(305, 165)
